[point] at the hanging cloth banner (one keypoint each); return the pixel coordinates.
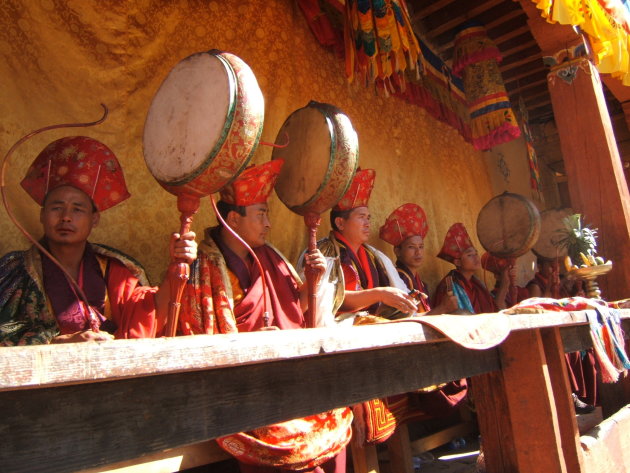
(606, 24)
(532, 158)
(476, 59)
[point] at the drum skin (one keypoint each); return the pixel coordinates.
(204, 124)
(320, 160)
(550, 227)
(508, 225)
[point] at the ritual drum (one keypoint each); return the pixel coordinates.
(508, 225)
(551, 226)
(204, 124)
(320, 160)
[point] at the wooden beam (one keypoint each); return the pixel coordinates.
(505, 67)
(430, 8)
(457, 20)
(119, 420)
(511, 34)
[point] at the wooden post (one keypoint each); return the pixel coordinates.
(597, 184)
(516, 407)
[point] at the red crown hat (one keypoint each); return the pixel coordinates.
(406, 221)
(358, 194)
(455, 243)
(494, 264)
(253, 185)
(80, 162)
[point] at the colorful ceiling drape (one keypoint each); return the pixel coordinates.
(476, 59)
(606, 23)
(392, 59)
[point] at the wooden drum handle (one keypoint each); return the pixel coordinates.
(312, 221)
(178, 270)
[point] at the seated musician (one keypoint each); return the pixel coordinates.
(502, 268)
(225, 295)
(581, 366)
(472, 295)
(368, 276)
(74, 179)
(406, 228)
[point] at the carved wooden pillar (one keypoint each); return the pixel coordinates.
(597, 184)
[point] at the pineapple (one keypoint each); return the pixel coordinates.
(580, 240)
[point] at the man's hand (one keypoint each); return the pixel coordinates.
(85, 336)
(184, 247)
(315, 262)
(394, 297)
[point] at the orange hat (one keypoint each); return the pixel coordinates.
(406, 221)
(455, 243)
(358, 194)
(494, 264)
(80, 162)
(253, 185)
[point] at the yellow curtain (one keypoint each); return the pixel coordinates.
(605, 22)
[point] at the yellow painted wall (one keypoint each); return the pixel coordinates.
(60, 59)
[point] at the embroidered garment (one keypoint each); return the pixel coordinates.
(208, 306)
(27, 314)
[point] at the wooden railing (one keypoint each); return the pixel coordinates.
(78, 406)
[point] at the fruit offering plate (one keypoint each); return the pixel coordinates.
(590, 272)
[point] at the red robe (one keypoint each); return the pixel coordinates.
(224, 295)
(480, 298)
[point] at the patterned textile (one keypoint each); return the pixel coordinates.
(253, 185)
(208, 307)
(532, 158)
(605, 329)
(605, 22)
(27, 316)
(406, 221)
(430, 86)
(455, 243)
(80, 162)
(358, 194)
(297, 444)
(476, 59)
(379, 41)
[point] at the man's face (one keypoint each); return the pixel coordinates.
(68, 216)
(254, 225)
(470, 260)
(356, 228)
(411, 252)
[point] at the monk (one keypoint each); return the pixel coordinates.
(501, 268)
(74, 179)
(472, 295)
(368, 279)
(225, 295)
(406, 228)
(581, 366)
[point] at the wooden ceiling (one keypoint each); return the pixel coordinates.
(522, 68)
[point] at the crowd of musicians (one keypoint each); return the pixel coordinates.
(75, 178)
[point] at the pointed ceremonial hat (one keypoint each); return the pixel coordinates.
(406, 221)
(80, 162)
(455, 243)
(253, 185)
(358, 194)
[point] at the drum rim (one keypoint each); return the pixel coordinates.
(535, 231)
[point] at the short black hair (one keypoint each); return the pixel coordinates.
(224, 209)
(345, 214)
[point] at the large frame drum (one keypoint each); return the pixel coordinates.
(204, 124)
(551, 226)
(508, 225)
(320, 160)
